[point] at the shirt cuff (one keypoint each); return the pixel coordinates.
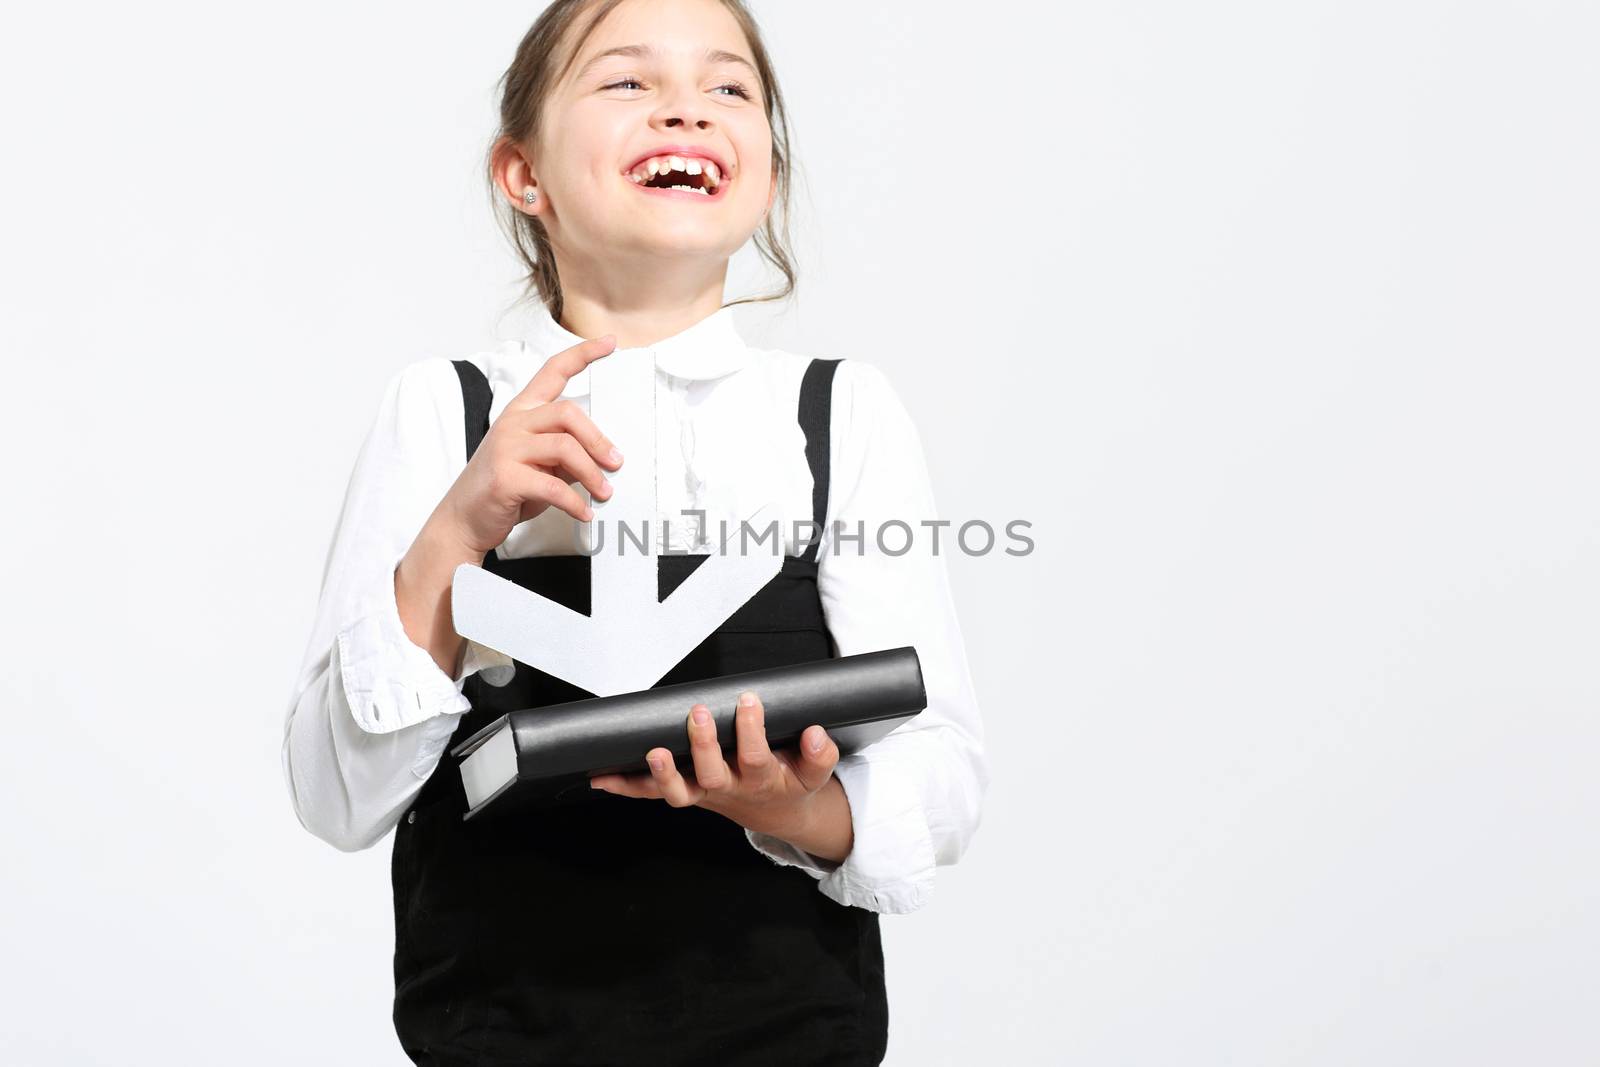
(891, 863)
(391, 682)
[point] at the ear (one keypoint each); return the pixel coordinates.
(513, 174)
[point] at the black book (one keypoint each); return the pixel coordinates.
(540, 756)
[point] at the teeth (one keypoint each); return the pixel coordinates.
(690, 166)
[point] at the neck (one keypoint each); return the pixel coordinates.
(642, 303)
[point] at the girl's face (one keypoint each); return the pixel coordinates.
(683, 84)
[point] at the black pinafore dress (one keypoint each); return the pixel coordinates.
(614, 930)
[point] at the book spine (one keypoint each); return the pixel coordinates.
(614, 733)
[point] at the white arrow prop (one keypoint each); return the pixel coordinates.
(629, 640)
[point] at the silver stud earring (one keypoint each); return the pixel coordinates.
(529, 196)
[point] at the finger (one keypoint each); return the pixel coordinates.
(566, 416)
(550, 379)
(641, 786)
(674, 789)
(711, 771)
(537, 488)
(562, 452)
(757, 765)
(819, 753)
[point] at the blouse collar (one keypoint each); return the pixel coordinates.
(711, 348)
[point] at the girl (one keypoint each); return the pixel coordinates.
(725, 912)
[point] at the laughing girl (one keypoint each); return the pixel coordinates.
(725, 912)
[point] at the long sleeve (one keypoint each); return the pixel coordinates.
(915, 795)
(371, 711)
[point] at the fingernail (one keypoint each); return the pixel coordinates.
(655, 764)
(605, 486)
(816, 744)
(747, 699)
(614, 455)
(701, 716)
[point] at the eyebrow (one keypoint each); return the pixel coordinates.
(645, 51)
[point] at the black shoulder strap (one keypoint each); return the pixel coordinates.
(475, 401)
(816, 415)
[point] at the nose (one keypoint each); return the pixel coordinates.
(683, 108)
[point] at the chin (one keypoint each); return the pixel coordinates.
(686, 240)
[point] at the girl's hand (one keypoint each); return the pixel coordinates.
(769, 792)
(529, 457)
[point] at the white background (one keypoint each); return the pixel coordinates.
(1278, 321)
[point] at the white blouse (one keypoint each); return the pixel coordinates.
(371, 712)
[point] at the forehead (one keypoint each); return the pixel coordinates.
(672, 30)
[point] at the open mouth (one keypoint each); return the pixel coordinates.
(682, 175)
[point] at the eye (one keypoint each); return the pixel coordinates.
(621, 83)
